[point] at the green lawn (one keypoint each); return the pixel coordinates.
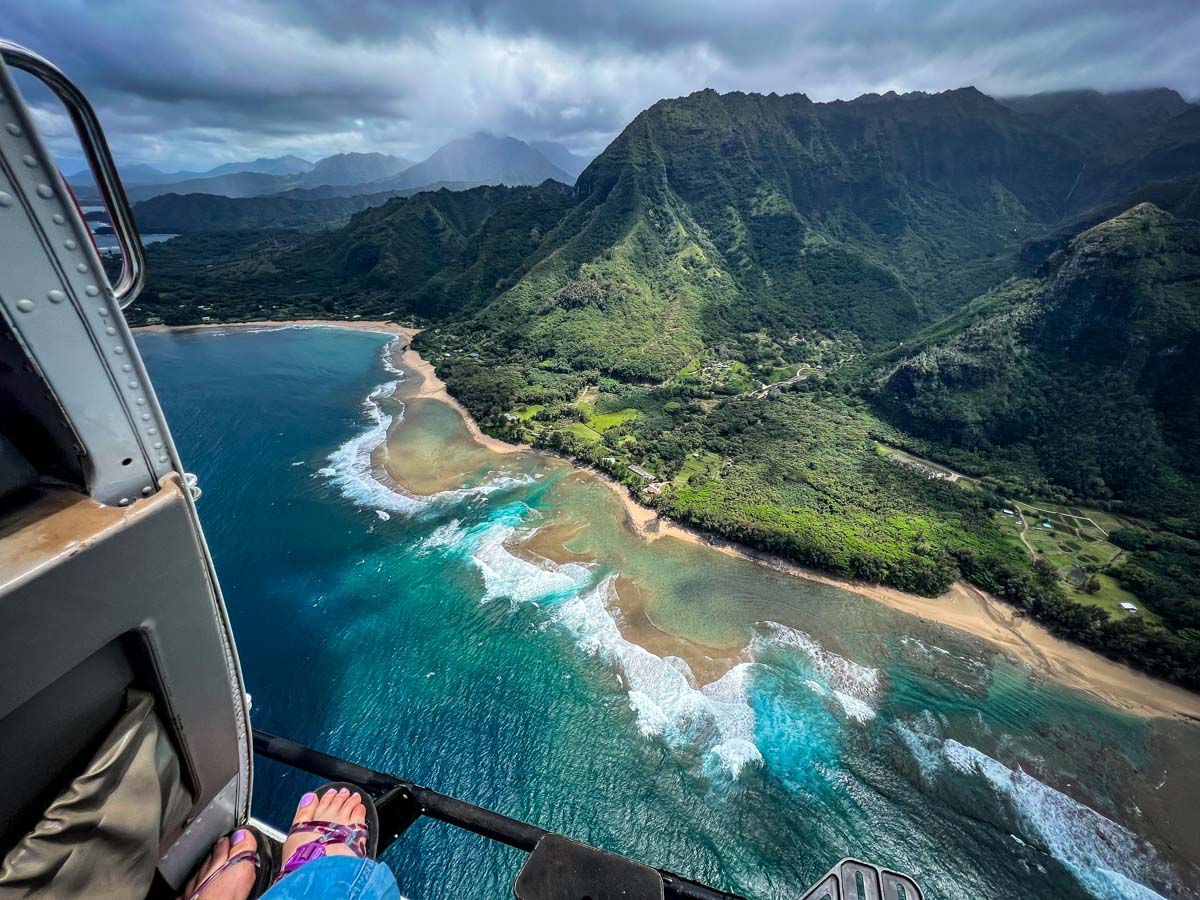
(581, 431)
(1063, 549)
(604, 421)
(529, 412)
(707, 465)
(1110, 597)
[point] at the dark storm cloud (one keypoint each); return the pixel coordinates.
(196, 84)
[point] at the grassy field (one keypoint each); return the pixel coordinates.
(1076, 547)
(706, 465)
(779, 373)
(581, 431)
(601, 422)
(595, 424)
(920, 464)
(1110, 597)
(1076, 543)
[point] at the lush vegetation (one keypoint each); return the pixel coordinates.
(1014, 380)
(744, 295)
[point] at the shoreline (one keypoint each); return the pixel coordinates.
(433, 388)
(963, 607)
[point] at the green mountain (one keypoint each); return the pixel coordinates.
(714, 216)
(1116, 124)
(301, 208)
(1089, 369)
(181, 213)
(433, 252)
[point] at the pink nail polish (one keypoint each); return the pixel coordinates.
(239, 835)
(307, 799)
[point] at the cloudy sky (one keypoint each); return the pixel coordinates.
(193, 84)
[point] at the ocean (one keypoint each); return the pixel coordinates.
(499, 633)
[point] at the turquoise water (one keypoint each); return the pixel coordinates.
(806, 723)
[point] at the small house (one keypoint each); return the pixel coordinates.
(1129, 607)
(638, 470)
(1047, 525)
(1008, 512)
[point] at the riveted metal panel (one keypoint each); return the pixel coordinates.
(59, 304)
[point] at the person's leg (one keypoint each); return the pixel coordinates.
(236, 881)
(341, 877)
(330, 858)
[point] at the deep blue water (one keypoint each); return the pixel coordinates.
(406, 637)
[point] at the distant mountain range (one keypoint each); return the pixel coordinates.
(478, 159)
(486, 159)
(571, 163)
(278, 165)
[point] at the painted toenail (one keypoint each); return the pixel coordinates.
(239, 835)
(330, 793)
(344, 791)
(307, 799)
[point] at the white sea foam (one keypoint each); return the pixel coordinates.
(662, 691)
(383, 514)
(351, 462)
(1108, 859)
(351, 469)
(854, 687)
(668, 703)
(521, 581)
(386, 356)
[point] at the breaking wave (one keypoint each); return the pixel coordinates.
(669, 704)
(1109, 860)
(855, 688)
(351, 468)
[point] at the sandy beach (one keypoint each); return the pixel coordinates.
(434, 388)
(968, 609)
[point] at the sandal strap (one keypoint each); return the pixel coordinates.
(352, 836)
(331, 832)
(244, 856)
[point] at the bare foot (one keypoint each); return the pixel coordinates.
(342, 807)
(235, 882)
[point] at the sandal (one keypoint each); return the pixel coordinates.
(363, 840)
(264, 857)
